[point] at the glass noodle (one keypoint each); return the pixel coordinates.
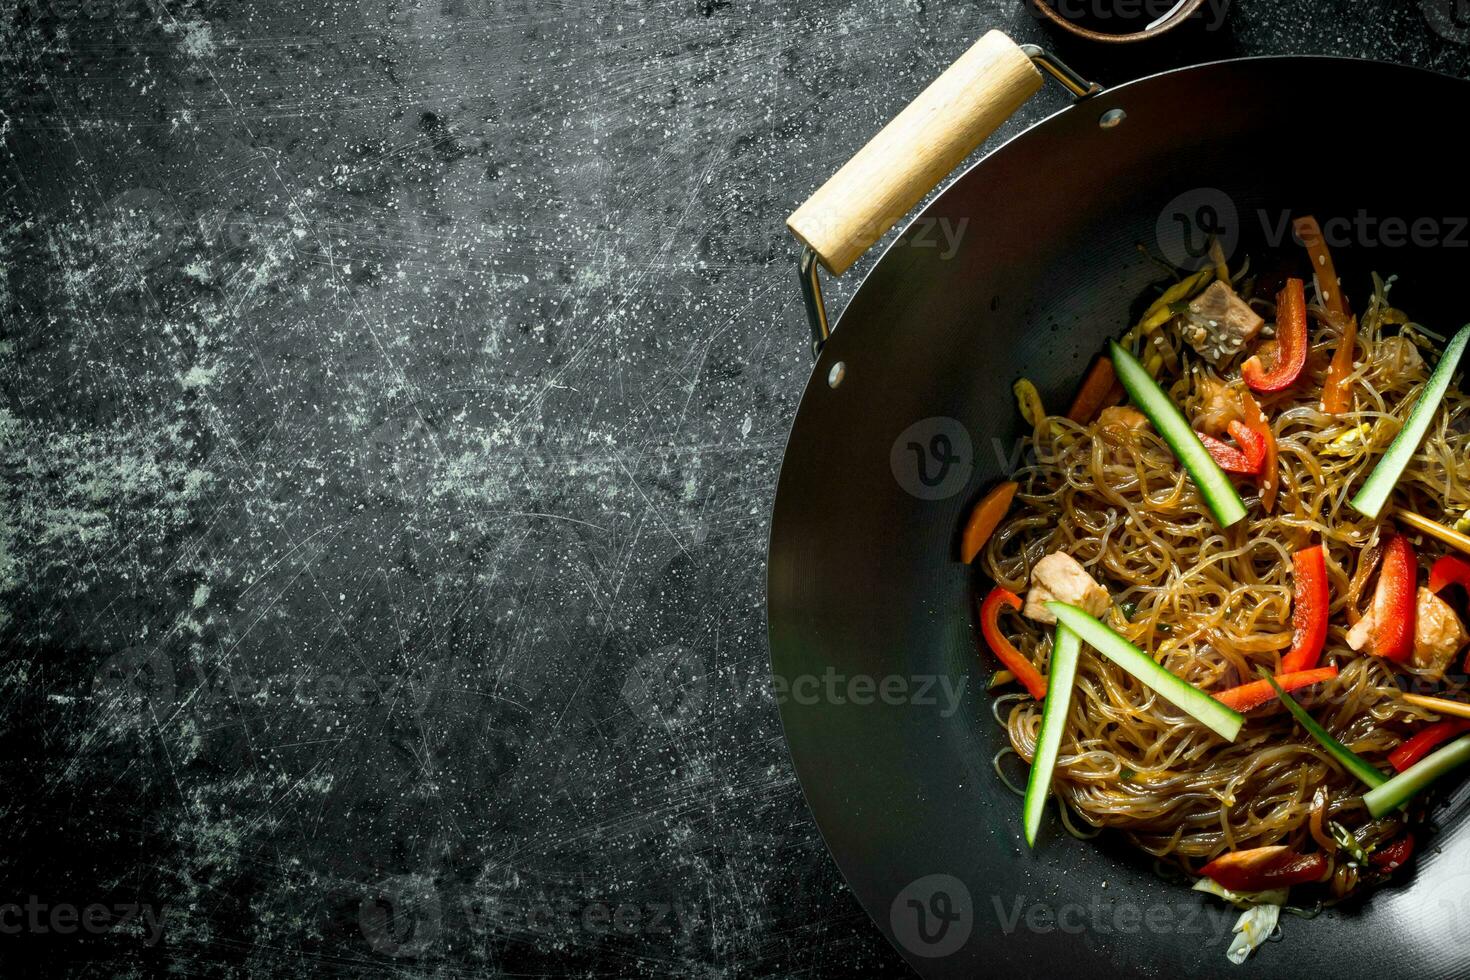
(1214, 605)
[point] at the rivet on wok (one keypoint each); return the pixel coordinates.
(1111, 118)
(835, 376)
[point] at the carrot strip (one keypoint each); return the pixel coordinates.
(1256, 421)
(1099, 390)
(1256, 693)
(1337, 393)
(984, 519)
(1328, 290)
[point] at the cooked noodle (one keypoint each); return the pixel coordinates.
(1215, 605)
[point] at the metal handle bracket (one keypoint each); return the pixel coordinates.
(810, 264)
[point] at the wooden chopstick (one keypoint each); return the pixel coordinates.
(1443, 706)
(1435, 529)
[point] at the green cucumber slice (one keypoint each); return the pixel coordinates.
(1221, 720)
(1059, 682)
(1351, 761)
(1394, 793)
(1374, 492)
(1214, 486)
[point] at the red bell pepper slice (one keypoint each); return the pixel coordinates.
(1249, 696)
(1248, 460)
(1256, 421)
(1394, 601)
(1425, 741)
(1395, 855)
(1449, 571)
(1261, 868)
(1251, 442)
(1229, 459)
(1309, 612)
(1015, 661)
(1291, 343)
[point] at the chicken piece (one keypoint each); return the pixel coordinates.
(1219, 405)
(1059, 578)
(1438, 634)
(1362, 632)
(1219, 323)
(1123, 417)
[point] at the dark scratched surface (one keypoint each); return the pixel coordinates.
(393, 396)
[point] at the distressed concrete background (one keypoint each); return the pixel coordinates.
(393, 395)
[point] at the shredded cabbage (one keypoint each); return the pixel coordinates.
(1256, 923)
(1241, 900)
(1254, 927)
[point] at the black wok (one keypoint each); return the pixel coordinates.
(864, 578)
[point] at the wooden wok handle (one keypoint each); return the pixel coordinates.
(910, 155)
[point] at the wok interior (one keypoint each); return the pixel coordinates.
(864, 579)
